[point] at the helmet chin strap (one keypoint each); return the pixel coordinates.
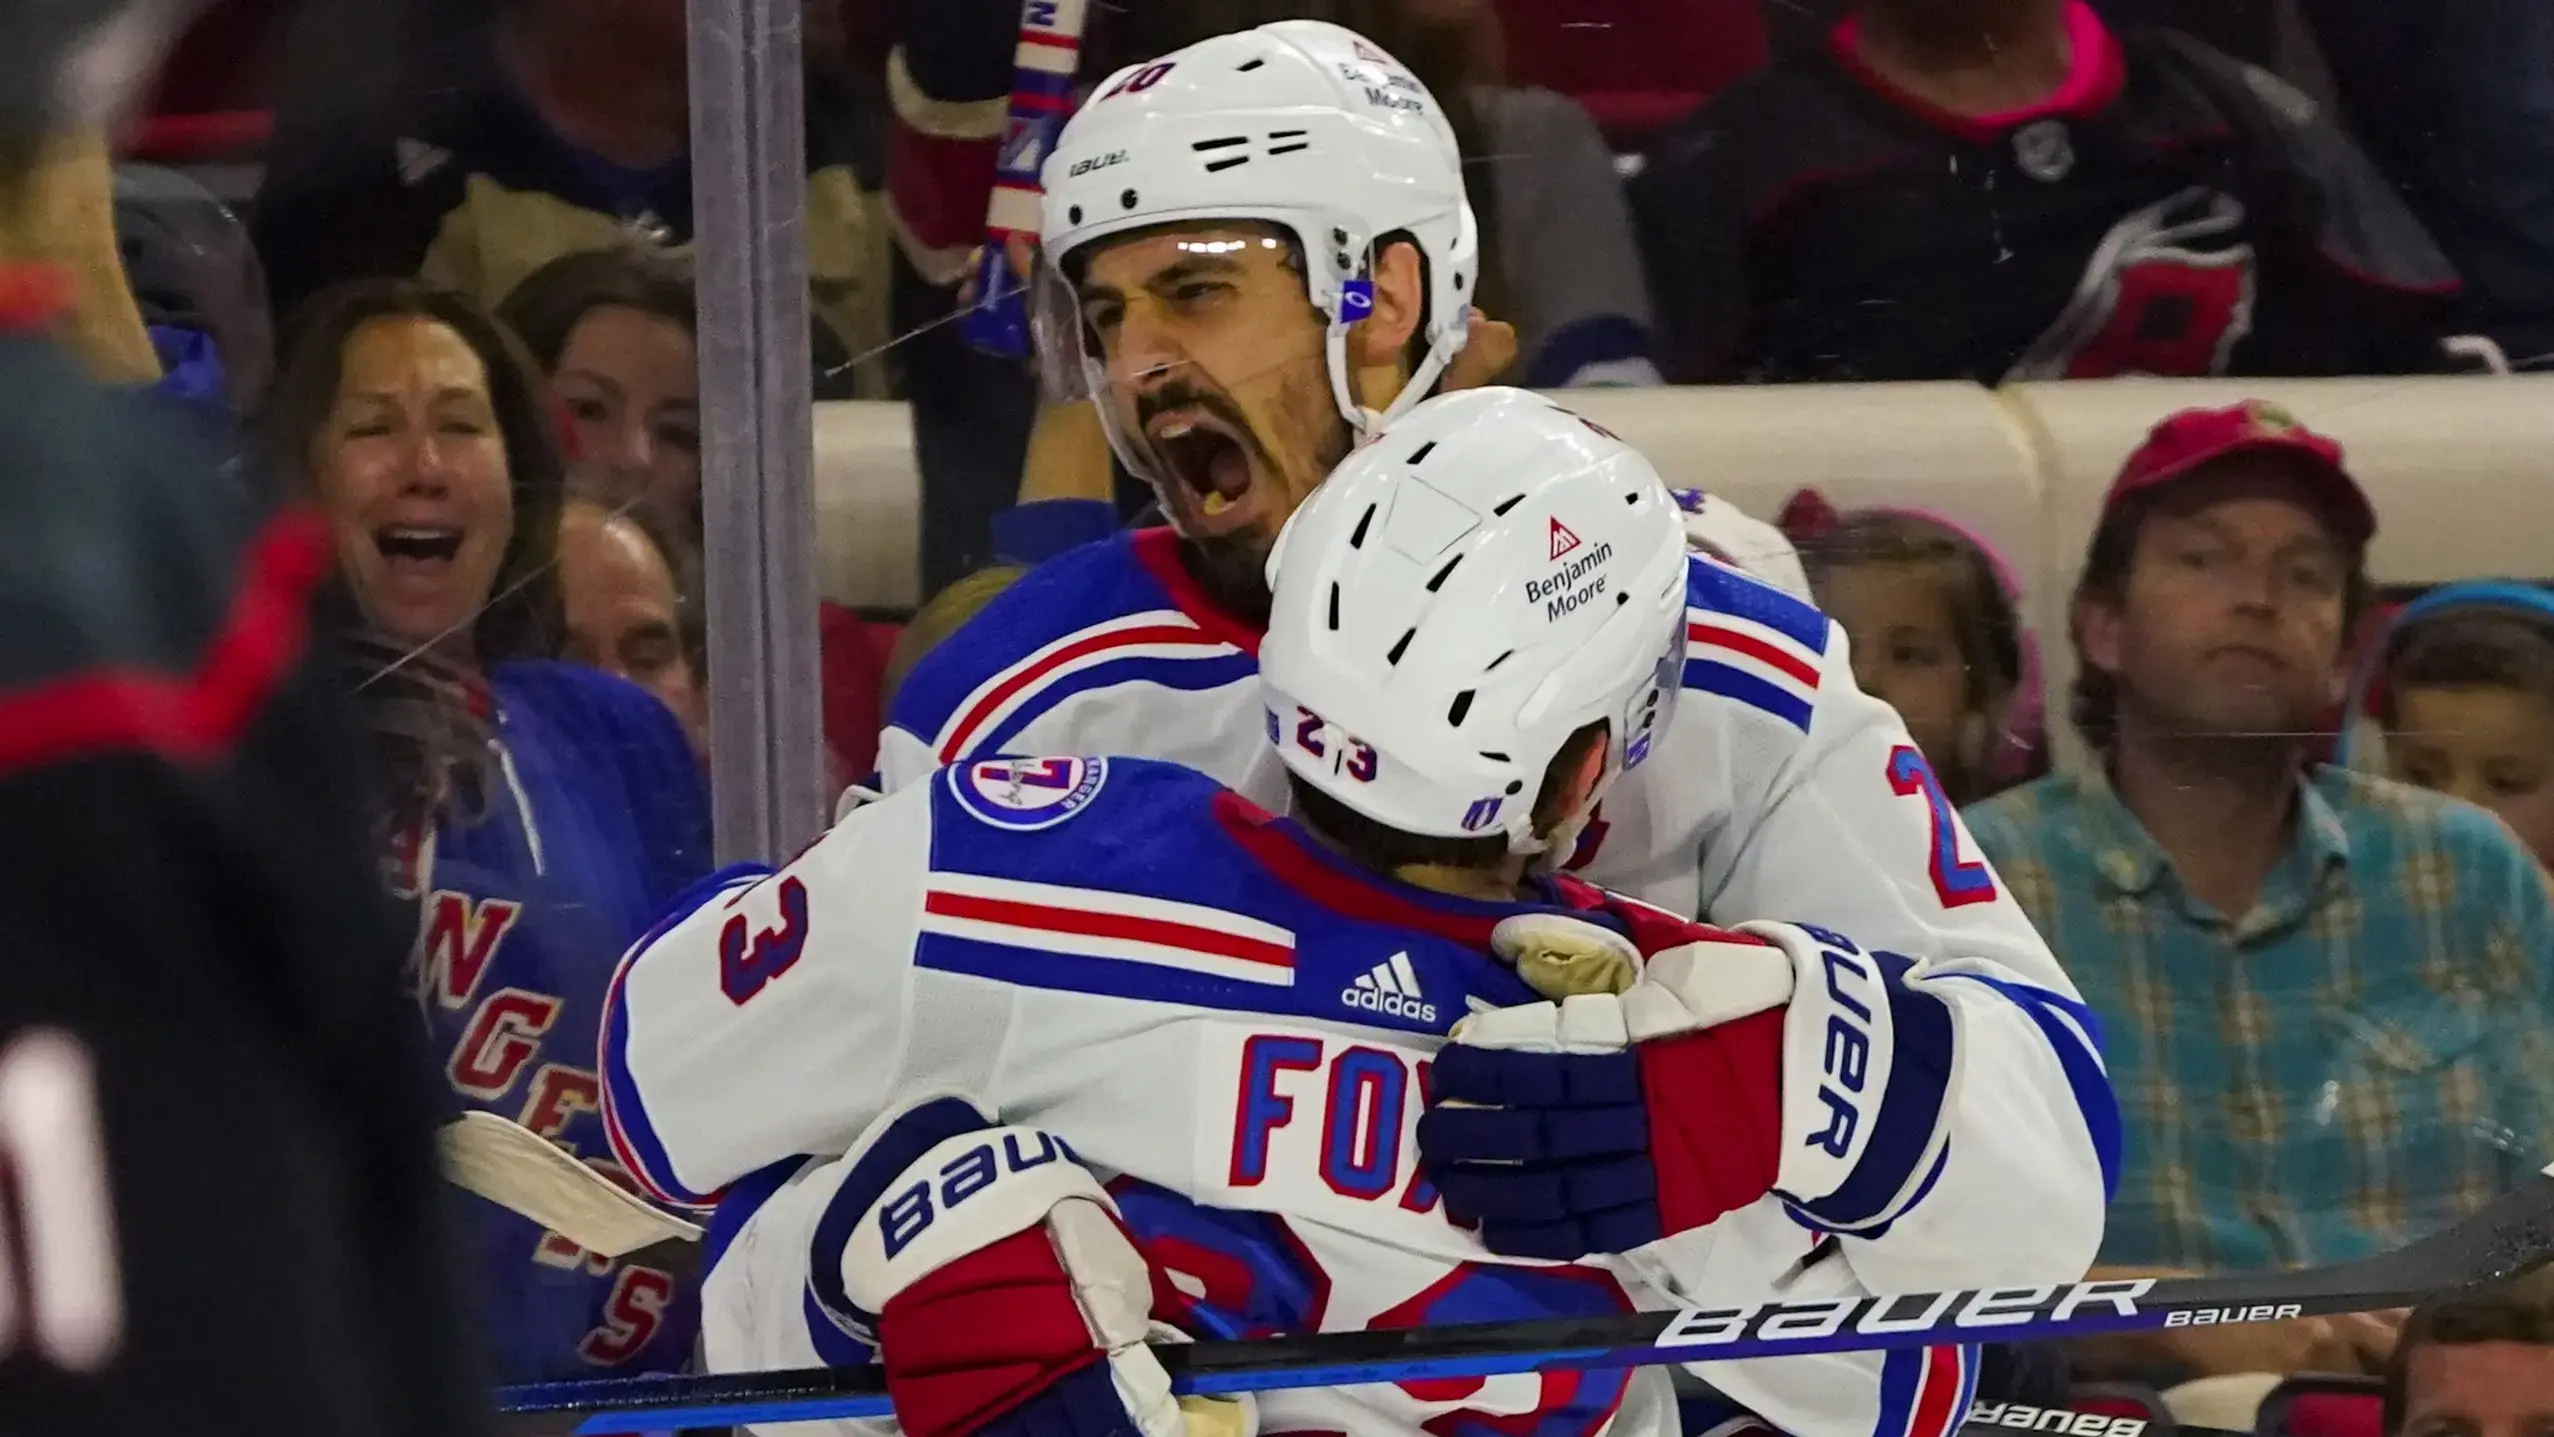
(1366, 422)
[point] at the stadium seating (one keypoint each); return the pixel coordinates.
(2457, 468)
(1634, 65)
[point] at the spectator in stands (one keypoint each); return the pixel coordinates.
(472, 141)
(1930, 611)
(547, 810)
(2462, 691)
(2322, 994)
(2456, 103)
(2005, 189)
(625, 615)
(615, 329)
(2475, 1367)
(1558, 256)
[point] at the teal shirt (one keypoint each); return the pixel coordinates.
(2359, 1060)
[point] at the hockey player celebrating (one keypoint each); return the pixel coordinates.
(1269, 243)
(873, 1060)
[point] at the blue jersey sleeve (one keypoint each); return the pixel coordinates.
(635, 758)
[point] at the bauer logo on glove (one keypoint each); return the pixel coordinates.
(1656, 1094)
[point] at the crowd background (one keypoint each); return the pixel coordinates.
(430, 264)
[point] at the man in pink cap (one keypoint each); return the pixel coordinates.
(2322, 994)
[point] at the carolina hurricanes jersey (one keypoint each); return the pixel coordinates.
(1234, 1028)
(1780, 791)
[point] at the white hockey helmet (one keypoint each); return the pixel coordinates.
(1300, 124)
(1488, 576)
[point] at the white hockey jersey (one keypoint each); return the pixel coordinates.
(1235, 1027)
(1781, 791)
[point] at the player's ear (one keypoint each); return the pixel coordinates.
(1379, 344)
(1572, 780)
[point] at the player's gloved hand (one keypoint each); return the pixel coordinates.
(1604, 1121)
(1002, 1294)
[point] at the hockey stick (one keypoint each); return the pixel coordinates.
(2511, 1236)
(1041, 78)
(523, 1172)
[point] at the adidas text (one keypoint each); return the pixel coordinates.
(1391, 1005)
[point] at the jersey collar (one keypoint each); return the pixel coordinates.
(1157, 550)
(2096, 71)
(1299, 861)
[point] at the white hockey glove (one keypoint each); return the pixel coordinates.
(1775, 1059)
(1004, 1298)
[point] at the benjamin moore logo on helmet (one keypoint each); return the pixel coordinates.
(1568, 588)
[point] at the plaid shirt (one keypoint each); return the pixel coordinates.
(2359, 1060)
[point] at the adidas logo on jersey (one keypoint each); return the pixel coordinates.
(1391, 988)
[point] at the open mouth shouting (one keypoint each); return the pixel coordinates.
(1207, 472)
(422, 580)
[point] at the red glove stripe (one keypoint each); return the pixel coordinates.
(981, 1336)
(1715, 1117)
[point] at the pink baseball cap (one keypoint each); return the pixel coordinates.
(2185, 441)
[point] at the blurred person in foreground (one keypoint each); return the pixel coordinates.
(542, 811)
(215, 1153)
(2004, 190)
(2458, 696)
(2476, 1366)
(2322, 995)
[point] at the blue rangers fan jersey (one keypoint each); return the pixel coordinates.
(597, 817)
(1780, 791)
(1234, 1028)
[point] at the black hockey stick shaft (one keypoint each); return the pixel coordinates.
(2511, 1236)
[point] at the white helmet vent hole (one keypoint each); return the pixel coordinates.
(1357, 539)
(1454, 716)
(1289, 148)
(1247, 66)
(1496, 757)
(1421, 452)
(1621, 598)
(1508, 503)
(1401, 644)
(1632, 498)
(1501, 659)
(1438, 582)
(1226, 163)
(1334, 607)
(1223, 142)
